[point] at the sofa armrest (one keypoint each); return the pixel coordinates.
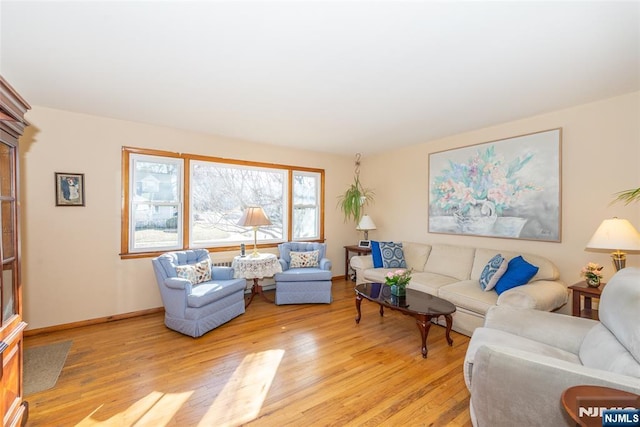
(221, 273)
(558, 330)
(360, 263)
(178, 283)
(512, 387)
(325, 264)
(545, 295)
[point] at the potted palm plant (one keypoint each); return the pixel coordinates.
(628, 196)
(353, 200)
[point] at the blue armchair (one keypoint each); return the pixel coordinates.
(302, 281)
(193, 308)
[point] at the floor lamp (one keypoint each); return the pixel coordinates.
(254, 216)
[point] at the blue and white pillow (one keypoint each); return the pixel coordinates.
(492, 272)
(392, 255)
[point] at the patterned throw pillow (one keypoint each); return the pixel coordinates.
(392, 255)
(304, 259)
(195, 273)
(492, 272)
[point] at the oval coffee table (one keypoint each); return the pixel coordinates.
(419, 305)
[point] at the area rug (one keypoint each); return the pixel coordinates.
(42, 366)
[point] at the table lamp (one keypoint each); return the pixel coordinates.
(616, 234)
(365, 224)
(254, 216)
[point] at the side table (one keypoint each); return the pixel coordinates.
(256, 268)
(581, 289)
(589, 397)
(358, 250)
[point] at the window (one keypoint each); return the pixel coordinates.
(155, 203)
(177, 201)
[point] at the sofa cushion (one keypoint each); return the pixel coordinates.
(415, 255)
(518, 273)
(392, 255)
(430, 282)
(208, 292)
(304, 259)
(449, 260)
(492, 272)
(467, 294)
(601, 350)
(303, 274)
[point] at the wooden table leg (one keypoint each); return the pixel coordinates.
(449, 319)
(424, 324)
(358, 302)
(256, 289)
(576, 304)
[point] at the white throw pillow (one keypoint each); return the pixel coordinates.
(492, 272)
(304, 259)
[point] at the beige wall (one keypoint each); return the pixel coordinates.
(71, 267)
(72, 271)
(600, 156)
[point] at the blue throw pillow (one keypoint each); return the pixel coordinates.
(392, 255)
(492, 272)
(518, 273)
(375, 253)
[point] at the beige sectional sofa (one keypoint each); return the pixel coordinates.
(453, 272)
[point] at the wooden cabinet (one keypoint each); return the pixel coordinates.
(12, 124)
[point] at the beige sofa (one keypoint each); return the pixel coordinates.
(453, 272)
(518, 365)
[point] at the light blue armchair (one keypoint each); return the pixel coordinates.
(300, 281)
(195, 309)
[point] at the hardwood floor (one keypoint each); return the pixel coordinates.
(289, 365)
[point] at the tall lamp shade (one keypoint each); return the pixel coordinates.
(616, 234)
(365, 224)
(254, 216)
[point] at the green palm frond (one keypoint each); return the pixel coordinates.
(628, 196)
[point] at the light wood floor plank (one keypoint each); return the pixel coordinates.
(289, 365)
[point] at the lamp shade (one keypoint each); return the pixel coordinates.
(366, 223)
(615, 234)
(253, 216)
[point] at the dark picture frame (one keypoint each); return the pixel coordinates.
(69, 189)
(508, 188)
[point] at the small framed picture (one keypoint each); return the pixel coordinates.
(364, 243)
(69, 189)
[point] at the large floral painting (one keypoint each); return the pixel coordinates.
(507, 188)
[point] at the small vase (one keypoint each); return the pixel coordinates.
(593, 282)
(399, 291)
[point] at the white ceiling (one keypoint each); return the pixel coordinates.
(334, 76)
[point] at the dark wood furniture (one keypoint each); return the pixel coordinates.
(590, 397)
(12, 109)
(581, 289)
(358, 250)
(419, 305)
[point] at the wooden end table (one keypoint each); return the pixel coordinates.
(581, 289)
(256, 268)
(590, 397)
